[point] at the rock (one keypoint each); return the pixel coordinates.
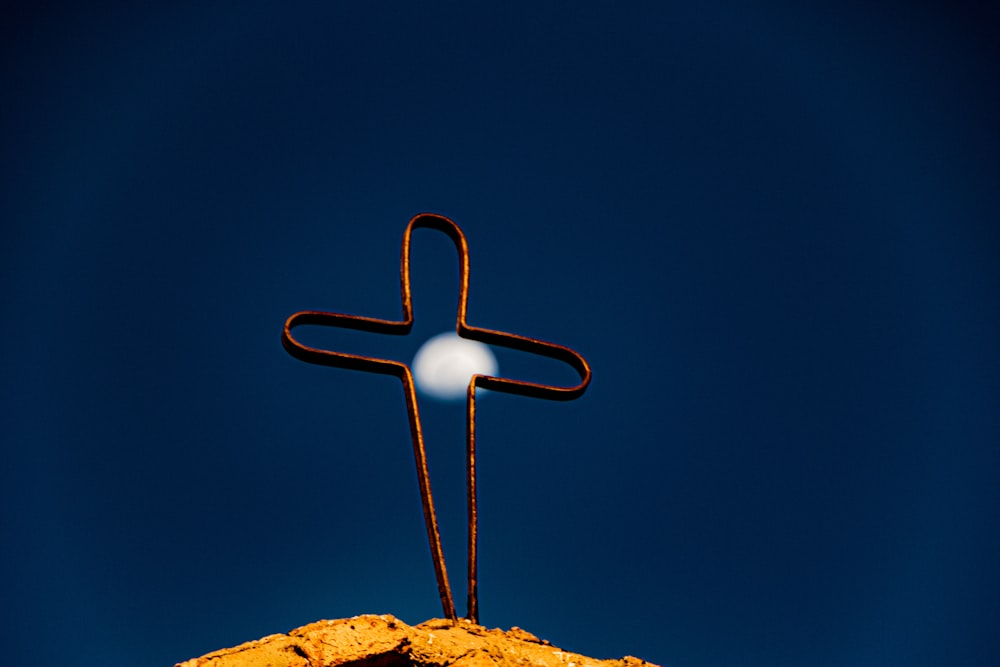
(384, 641)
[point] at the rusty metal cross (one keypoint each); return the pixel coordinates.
(402, 371)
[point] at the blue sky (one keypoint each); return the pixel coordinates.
(772, 231)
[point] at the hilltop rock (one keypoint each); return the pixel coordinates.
(384, 641)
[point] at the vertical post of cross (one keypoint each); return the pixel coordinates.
(470, 497)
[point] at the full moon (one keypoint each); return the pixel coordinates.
(444, 365)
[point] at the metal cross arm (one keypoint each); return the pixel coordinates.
(402, 371)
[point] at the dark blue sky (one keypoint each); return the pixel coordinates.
(772, 231)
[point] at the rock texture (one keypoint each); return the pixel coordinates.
(384, 641)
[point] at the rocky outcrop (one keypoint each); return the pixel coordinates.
(384, 641)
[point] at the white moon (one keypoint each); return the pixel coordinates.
(444, 365)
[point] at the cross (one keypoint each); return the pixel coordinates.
(402, 371)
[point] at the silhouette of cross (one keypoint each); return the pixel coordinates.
(402, 371)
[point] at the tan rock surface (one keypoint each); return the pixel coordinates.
(384, 641)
